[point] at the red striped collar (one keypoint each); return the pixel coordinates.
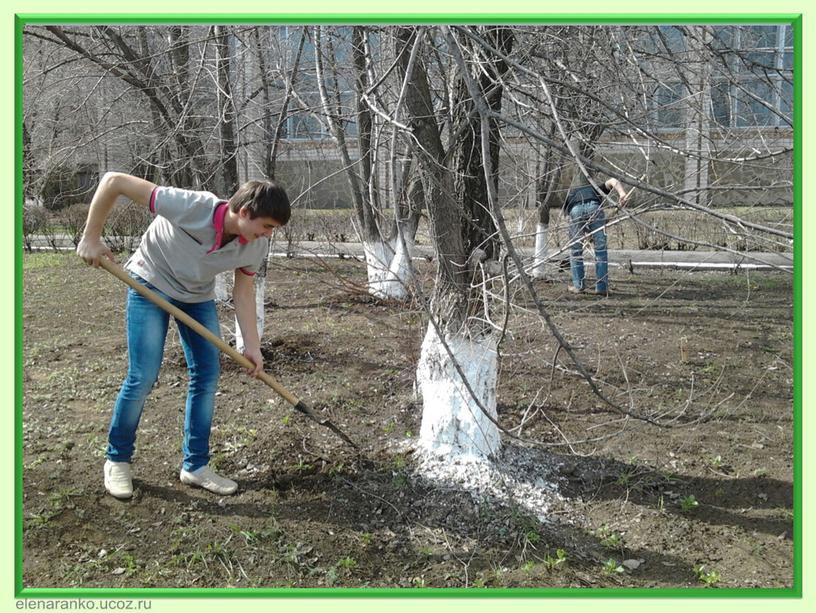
(218, 223)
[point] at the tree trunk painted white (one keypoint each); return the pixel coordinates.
(260, 290)
(223, 286)
(452, 422)
(223, 293)
(539, 270)
(389, 268)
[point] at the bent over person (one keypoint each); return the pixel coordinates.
(193, 237)
(584, 208)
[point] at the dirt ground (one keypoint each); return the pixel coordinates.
(705, 502)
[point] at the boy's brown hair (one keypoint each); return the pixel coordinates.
(262, 199)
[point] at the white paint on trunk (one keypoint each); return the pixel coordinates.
(520, 225)
(223, 293)
(378, 256)
(389, 269)
(460, 446)
(452, 423)
(223, 286)
(260, 291)
(541, 252)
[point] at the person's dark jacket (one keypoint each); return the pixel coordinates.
(585, 193)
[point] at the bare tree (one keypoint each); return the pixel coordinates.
(157, 64)
(458, 366)
(387, 242)
(245, 49)
(226, 108)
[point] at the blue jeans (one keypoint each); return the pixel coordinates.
(587, 217)
(146, 332)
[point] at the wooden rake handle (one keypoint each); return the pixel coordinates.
(118, 272)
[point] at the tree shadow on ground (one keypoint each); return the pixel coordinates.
(428, 530)
(721, 500)
(370, 496)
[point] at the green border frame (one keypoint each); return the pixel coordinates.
(793, 19)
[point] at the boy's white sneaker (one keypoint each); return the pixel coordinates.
(118, 479)
(205, 477)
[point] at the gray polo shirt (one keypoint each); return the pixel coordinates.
(180, 254)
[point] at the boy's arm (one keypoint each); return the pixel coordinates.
(113, 184)
(618, 187)
(243, 297)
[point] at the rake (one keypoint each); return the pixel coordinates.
(118, 272)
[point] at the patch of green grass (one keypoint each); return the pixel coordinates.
(347, 563)
(36, 261)
(710, 368)
(625, 477)
(336, 469)
(217, 460)
(249, 536)
(34, 463)
(76, 574)
(554, 563)
(61, 498)
(610, 539)
(38, 520)
(130, 564)
(688, 503)
(611, 567)
(295, 554)
(58, 501)
(330, 576)
(533, 537)
(524, 525)
(96, 446)
(218, 551)
(709, 577)
(301, 466)
(234, 438)
(715, 462)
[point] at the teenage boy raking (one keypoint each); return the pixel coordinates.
(194, 236)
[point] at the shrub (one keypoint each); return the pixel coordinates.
(72, 219)
(64, 184)
(126, 225)
(35, 220)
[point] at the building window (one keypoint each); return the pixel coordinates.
(668, 99)
(751, 75)
(754, 86)
(307, 119)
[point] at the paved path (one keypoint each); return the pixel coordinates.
(617, 257)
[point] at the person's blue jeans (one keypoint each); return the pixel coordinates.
(585, 218)
(146, 332)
